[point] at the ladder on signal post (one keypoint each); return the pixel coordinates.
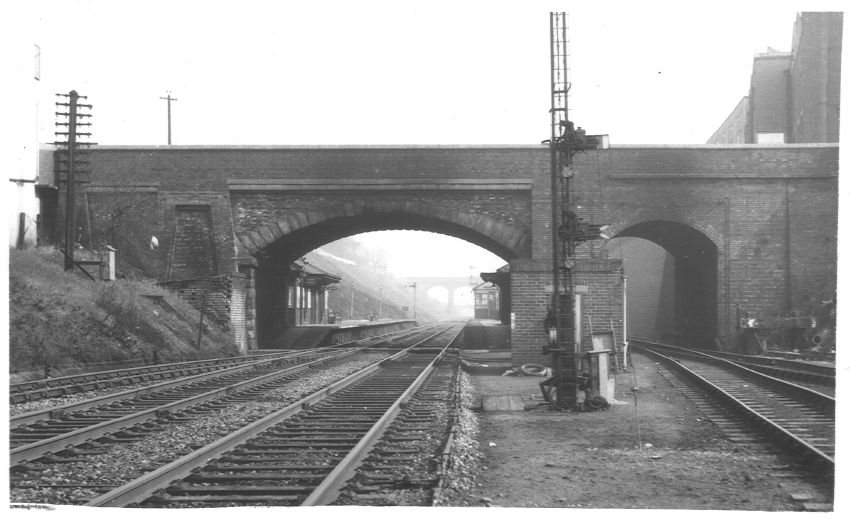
(568, 230)
(565, 361)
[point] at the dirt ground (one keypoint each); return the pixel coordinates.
(676, 459)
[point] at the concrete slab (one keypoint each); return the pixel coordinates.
(485, 368)
(501, 403)
(489, 355)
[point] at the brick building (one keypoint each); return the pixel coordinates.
(794, 96)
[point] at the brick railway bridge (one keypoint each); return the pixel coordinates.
(747, 225)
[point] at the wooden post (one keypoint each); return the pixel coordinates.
(110, 263)
(22, 230)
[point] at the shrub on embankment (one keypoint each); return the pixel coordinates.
(67, 323)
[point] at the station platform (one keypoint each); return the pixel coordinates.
(319, 335)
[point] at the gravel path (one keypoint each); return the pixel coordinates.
(661, 454)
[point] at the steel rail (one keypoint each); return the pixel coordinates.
(786, 436)
(108, 376)
(804, 356)
(57, 411)
(143, 487)
(100, 378)
(824, 401)
(822, 374)
(53, 444)
(49, 413)
(328, 490)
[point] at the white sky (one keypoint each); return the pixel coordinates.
(420, 253)
(381, 72)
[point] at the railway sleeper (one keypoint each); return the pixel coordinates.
(224, 500)
(333, 451)
(405, 438)
(399, 458)
(307, 430)
(317, 445)
(397, 447)
(186, 490)
(208, 476)
(393, 483)
(244, 464)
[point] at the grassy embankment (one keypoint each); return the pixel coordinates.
(67, 323)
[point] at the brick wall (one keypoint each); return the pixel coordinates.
(203, 225)
(769, 96)
(496, 220)
(770, 212)
(736, 198)
(193, 251)
(816, 77)
(221, 297)
(531, 290)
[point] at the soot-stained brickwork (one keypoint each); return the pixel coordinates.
(192, 247)
(761, 219)
(221, 297)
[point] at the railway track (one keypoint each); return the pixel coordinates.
(304, 453)
(817, 376)
(26, 391)
(78, 383)
(30, 474)
(799, 420)
(818, 357)
(50, 431)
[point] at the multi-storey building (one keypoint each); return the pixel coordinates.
(794, 96)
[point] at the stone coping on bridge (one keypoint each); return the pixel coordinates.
(372, 184)
(450, 146)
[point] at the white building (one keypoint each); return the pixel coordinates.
(21, 173)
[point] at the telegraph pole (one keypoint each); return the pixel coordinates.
(70, 188)
(71, 162)
(169, 99)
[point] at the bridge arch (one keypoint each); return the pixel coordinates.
(695, 249)
(276, 244)
(339, 220)
(677, 215)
